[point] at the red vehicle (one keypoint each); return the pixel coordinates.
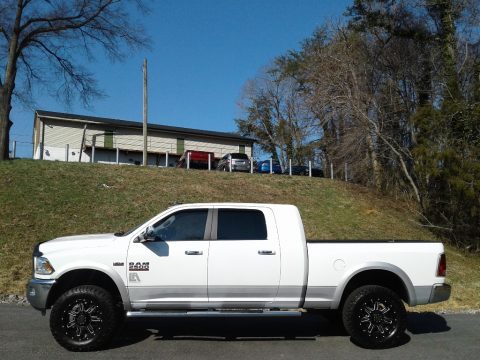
(198, 159)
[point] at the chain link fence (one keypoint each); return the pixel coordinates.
(20, 148)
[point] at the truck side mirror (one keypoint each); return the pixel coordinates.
(146, 236)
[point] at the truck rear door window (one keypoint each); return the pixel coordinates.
(241, 225)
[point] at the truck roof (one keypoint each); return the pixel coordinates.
(231, 204)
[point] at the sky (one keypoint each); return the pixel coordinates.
(202, 53)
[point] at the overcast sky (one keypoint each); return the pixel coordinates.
(203, 51)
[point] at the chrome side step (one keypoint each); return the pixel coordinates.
(213, 313)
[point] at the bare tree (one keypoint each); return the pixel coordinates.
(277, 116)
(357, 106)
(43, 42)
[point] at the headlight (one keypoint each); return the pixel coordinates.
(43, 266)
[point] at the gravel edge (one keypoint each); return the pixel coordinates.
(14, 299)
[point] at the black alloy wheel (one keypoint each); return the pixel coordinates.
(375, 317)
(83, 318)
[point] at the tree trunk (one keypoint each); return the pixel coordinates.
(5, 123)
(403, 166)
(6, 89)
(375, 164)
(449, 42)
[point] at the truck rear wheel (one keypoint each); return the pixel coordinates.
(375, 317)
(83, 318)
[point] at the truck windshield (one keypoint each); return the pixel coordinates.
(125, 233)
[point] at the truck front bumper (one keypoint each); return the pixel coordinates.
(440, 292)
(37, 293)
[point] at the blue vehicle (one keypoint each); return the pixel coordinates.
(264, 167)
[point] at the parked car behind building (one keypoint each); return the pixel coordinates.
(198, 160)
(239, 162)
(264, 167)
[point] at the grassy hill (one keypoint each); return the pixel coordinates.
(42, 200)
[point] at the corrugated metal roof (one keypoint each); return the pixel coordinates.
(136, 124)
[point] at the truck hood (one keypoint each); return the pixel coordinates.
(77, 241)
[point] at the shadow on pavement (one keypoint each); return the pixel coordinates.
(426, 323)
(304, 328)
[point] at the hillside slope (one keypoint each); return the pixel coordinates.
(43, 200)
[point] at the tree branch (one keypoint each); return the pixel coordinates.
(51, 20)
(64, 27)
(4, 32)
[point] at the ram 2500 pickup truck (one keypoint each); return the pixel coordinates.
(230, 258)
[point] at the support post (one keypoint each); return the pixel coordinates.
(209, 163)
(93, 153)
(188, 160)
(290, 167)
(251, 165)
(67, 150)
(117, 159)
(271, 166)
(42, 142)
(331, 170)
(166, 159)
(14, 149)
(82, 143)
(310, 168)
(230, 163)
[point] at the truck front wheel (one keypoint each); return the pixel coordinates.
(374, 316)
(83, 318)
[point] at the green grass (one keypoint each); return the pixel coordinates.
(41, 200)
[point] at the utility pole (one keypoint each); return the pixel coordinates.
(145, 113)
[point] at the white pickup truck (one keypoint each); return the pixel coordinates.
(224, 259)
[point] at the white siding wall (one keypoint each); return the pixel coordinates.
(56, 153)
(132, 139)
(218, 147)
(58, 133)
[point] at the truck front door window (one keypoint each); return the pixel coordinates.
(183, 225)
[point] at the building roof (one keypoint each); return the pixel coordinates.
(136, 124)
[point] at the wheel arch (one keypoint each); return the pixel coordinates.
(378, 273)
(89, 276)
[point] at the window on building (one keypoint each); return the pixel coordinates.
(241, 149)
(180, 146)
(108, 139)
(241, 225)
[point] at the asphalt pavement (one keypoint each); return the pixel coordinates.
(25, 334)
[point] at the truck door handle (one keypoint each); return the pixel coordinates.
(193, 252)
(266, 252)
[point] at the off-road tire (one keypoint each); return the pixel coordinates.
(374, 317)
(84, 318)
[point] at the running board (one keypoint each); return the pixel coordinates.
(260, 313)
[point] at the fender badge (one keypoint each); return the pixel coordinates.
(139, 266)
(118, 264)
(133, 277)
